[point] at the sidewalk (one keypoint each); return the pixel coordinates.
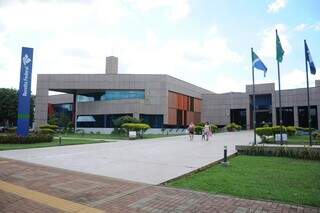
(26, 187)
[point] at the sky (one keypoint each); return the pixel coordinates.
(204, 42)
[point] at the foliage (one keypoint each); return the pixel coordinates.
(264, 131)
(125, 119)
(277, 130)
(214, 128)
(48, 126)
(53, 120)
(316, 135)
(198, 130)
(12, 130)
(306, 153)
(33, 138)
(47, 131)
(291, 130)
(200, 124)
(9, 107)
(65, 121)
(140, 128)
(233, 127)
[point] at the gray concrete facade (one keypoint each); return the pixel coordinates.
(216, 107)
(156, 89)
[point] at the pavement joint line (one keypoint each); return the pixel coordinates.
(55, 202)
(117, 196)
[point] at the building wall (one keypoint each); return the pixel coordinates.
(155, 86)
(216, 107)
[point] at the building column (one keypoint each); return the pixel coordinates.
(248, 117)
(74, 110)
(274, 116)
(295, 116)
(41, 106)
(318, 112)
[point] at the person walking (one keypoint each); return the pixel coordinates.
(191, 129)
(207, 130)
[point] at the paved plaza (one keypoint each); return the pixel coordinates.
(151, 161)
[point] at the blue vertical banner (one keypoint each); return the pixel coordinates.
(25, 91)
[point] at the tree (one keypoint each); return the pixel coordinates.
(9, 107)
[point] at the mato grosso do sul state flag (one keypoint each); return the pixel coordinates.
(309, 59)
(279, 48)
(258, 64)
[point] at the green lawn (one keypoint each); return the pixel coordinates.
(55, 142)
(302, 139)
(299, 140)
(270, 178)
(74, 139)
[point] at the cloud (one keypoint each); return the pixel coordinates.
(276, 5)
(296, 78)
(176, 9)
(268, 41)
(304, 27)
(81, 43)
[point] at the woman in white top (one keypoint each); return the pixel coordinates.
(207, 130)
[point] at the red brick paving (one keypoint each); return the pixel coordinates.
(113, 195)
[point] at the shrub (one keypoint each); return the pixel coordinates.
(214, 128)
(47, 131)
(291, 130)
(276, 130)
(140, 128)
(264, 131)
(316, 135)
(124, 119)
(33, 138)
(198, 130)
(233, 127)
(48, 126)
(200, 124)
(12, 130)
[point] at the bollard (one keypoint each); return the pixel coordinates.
(59, 140)
(225, 161)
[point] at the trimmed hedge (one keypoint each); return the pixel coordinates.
(48, 126)
(291, 130)
(306, 153)
(135, 127)
(34, 138)
(47, 131)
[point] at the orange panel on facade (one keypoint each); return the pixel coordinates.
(172, 116)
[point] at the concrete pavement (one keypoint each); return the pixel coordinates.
(151, 161)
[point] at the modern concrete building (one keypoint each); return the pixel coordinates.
(93, 101)
(237, 107)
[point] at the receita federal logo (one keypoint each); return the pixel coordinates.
(26, 60)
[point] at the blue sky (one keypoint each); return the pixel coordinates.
(204, 42)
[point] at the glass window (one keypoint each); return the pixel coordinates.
(84, 98)
(122, 94)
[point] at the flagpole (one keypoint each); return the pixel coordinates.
(308, 95)
(254, 102)
(280, 107)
